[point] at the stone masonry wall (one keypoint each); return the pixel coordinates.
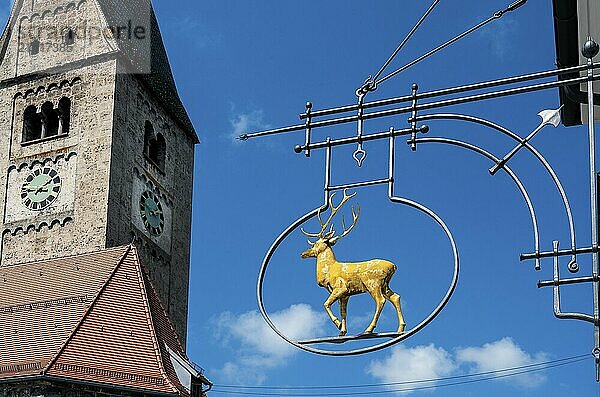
(48, 21)
(76, 222)
(166, 259)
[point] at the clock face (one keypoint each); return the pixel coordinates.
(40, 188)
(152, 213)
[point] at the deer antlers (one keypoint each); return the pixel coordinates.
(334, 210)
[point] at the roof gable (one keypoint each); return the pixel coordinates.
(115, 343)
(120, 337)
(41, 303)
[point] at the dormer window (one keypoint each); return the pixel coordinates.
(34, 47)
(69, 37)
(155, 146)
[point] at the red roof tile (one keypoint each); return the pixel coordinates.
(93, 318)
(41, 304)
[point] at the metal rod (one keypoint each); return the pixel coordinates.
(550, 254)
(508, 170)
(569, 281)
(473, 98)
(425, 106)
(355, 139)
(515, 150)
(344, 339)
(413, 118)
(406, 39)
(557, 311)
(448, 43)
(452, 116)
(327, 173)
(391, 164)
(309, 106)
(594, 202)
(452, 90)
(359, 184)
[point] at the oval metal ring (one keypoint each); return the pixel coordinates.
(407, 334)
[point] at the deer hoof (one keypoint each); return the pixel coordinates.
(401, 328)
(338, 324)
(343, 333)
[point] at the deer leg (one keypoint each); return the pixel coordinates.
(379, 301)
(395, 300)
(343, 312)
(335, 295)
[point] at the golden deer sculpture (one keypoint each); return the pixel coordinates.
(342, 279)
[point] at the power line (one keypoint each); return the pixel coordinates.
(481, 377)
(407, 382)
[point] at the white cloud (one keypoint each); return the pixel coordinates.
(410, 364)
(503, 354)
(423, 363)
(258, 347)
(244, 123)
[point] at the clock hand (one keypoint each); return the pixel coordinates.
(43, 187)
(37, 190)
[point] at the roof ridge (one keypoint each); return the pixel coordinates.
(66, 257)
(148, 309)
(55, 358)
(165, 313)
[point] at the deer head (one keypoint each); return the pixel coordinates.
(327, 239)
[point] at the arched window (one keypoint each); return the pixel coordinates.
(49, 120)
(64, 115)
(34, 47)
(70, 37)
(155, 146)
(32, 124)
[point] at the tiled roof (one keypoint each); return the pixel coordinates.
(93, 318)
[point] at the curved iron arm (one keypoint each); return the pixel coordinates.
(536, 153)
(508, 170)
(557, 311)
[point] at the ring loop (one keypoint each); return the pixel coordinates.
(407, 334)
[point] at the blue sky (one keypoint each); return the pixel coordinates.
(243, 66)
(251, 65)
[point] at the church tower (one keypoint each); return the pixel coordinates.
(96, 148)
